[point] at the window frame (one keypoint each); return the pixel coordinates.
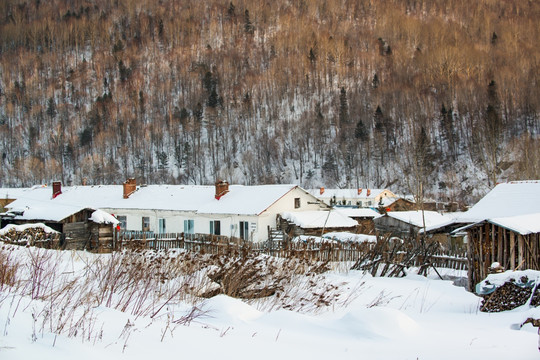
(189, 226)
(215, 227)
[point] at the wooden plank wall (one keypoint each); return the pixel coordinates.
(489, 243)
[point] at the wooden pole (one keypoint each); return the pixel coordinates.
(512, 250)
(521, 259)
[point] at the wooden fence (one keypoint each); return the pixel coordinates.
(309, 250)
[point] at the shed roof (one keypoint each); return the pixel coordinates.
(433, 220)
(319, 219)
(505, 200)
(523, 224)
(358, 213)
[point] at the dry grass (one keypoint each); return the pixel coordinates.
(62, 289)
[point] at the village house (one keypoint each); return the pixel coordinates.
(504, 229)
(246, 212)
(362, 198)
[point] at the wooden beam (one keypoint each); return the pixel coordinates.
(492, 244)
(520, 251)
(512, 251)
(500, 245)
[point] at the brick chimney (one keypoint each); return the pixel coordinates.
(222, 187)
(359, 191)
(130, 185)
(56, 188)
(368, 192)
(321, 190)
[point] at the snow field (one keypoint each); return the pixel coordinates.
(372, 318)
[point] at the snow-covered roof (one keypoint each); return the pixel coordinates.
(433, 219)
(505, 200)
(245, 200)
(12, 193)
(346, 193)
(523, 224)
(319, 219)
(358, 213)
(43, 211)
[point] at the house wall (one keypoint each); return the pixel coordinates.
(174, 222)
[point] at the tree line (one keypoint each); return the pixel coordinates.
(351, 93)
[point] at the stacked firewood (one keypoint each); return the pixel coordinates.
(509, 296)
(28, 236)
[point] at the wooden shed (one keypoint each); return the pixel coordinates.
(513, 242)
(80, 229)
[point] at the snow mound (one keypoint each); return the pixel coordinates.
(102, 217)
(20, 228)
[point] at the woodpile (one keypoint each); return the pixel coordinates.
(510, 295)
(28, 236)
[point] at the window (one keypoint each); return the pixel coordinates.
(215, 227)
(244, 230)
(189, 226)
(145, 223)
(123, 221)
(162, 226)
(296, 203)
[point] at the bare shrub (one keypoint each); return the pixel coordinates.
(8, 268)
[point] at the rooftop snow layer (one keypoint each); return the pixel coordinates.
(433, 220)
(319, 219)
(246, 200)
(20, 228)
(102, 217)
(358, 213)
(507, 199)
(523, 224)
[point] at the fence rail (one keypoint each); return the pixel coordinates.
(310, 250)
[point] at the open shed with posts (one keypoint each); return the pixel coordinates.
(504, 227)
(513, 242)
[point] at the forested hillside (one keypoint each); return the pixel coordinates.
(440, 95)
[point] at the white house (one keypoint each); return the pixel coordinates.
(360, 197)
(240, 211)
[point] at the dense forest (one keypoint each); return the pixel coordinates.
(440, 97)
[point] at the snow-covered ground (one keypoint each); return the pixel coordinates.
(383, 318)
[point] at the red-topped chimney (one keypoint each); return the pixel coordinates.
(222, 187)
(321, 190)
(56, 188)
(359, 191)
(130, 185)
(368, 192)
